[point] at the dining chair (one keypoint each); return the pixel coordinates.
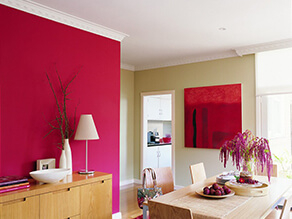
(163, 211)
(264, 173)
(164, 180)
(285, 213)
(279, 206)
(197, 172)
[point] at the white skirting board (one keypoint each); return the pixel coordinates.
(138, 181)
(129, 181)
(176, 187)
(117, 215)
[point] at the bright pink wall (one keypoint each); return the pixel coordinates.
(29, 46)
(0, 125)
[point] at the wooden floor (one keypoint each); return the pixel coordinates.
(128, 201)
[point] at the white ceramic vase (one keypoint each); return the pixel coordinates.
(68, 155)
(62, 162)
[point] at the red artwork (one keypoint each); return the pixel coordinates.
(212, 115)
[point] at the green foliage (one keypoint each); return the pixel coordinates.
(285, 162)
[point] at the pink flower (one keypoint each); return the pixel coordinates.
(246, 147)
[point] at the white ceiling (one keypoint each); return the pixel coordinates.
(166, 32)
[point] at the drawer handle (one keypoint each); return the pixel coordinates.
(102, 181)
(62, 190)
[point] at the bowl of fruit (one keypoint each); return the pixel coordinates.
(245, 180)
(245, 183)
(215, 191)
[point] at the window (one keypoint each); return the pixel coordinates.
(274, 102)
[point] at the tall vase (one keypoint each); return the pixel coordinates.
(62, 161)
(248, 168)
(68, 155)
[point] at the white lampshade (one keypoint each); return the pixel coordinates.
(86, 129)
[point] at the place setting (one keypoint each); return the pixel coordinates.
(226, 176)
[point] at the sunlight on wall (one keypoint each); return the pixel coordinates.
(127, 126)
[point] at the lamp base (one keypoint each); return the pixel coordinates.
(86, 171)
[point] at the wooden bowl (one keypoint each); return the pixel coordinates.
(249, 191)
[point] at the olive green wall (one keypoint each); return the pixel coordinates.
(127, 126)
(217, 72)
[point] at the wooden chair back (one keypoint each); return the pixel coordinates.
(163, 211)
(285, 214)
(264, 173)
(197, 172)
(164, 179)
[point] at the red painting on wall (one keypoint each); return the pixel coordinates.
(212, 115)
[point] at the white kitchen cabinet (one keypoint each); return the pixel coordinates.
(158, 108)
(165, 109)
(153, 108)
(150, 157)
(157, 156)
(164, 156)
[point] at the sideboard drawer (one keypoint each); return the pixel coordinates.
(60, 204)
(20, 208)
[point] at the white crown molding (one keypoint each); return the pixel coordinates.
(189, 60)
(240, 51)
(64, 18)
(246, 50)
(128, 67)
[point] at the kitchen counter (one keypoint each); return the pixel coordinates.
(158, 144)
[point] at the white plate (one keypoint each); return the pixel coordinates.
(223, 178)
(233, 182)
(226, 177)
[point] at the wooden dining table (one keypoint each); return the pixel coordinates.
(235, 206)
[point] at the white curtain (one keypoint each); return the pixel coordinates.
(274, 72)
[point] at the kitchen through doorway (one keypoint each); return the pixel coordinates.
(157, 130)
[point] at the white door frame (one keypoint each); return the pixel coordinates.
(143, 134)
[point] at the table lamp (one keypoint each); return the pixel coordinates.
(86, 131)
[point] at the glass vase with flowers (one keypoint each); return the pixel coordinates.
(248, 152)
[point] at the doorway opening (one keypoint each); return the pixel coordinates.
(157, 130)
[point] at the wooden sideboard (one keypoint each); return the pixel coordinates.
(76, 197)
